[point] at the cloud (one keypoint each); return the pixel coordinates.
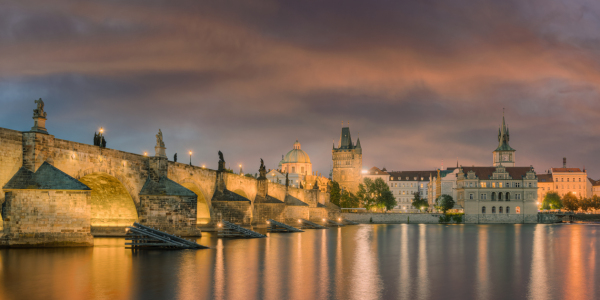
(422, 81)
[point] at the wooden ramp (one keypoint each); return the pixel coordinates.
(231, 230)
(143, 237)
(332, 223)
(348, 222)
(275, 226)
(306, 224)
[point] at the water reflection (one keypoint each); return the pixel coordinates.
(402, 261)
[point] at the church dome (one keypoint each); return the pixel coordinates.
(296, 155)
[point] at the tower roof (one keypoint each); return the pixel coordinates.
(296, 155)
(345, 139)
(503, 137)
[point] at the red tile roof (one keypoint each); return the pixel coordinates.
(376, 171)
(545, 178)
(565, 170)
(486, 172)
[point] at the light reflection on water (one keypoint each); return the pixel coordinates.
(402, 261)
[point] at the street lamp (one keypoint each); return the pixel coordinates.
(145, 153)
(190, 157)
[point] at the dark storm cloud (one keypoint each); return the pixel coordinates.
(422, 81)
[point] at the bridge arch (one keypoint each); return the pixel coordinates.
(204, 208)
(111, 201)
(131, 189)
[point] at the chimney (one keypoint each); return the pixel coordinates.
(564, 162)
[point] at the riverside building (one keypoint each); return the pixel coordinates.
(501, 193)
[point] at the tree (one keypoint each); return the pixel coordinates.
(586, 204)
(551, 201)
(570, 202)
(249, 175)
(335, 193)
(418, 202)
(595, 202)
(375, 193)
(348, 200)
(444, 203)
(388, 201)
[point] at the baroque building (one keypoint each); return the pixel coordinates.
(565, 180)
(501, 193)
(347, 162)
(296, 164)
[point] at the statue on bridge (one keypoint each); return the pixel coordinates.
(159, 139)
(221, 162)
(262, 170)
(99, 140)
(175, 157)
(39, 111)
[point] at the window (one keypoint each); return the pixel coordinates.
(483, 196)
(483, 209)
(500, 196)
(483, 184)
(471, 196)
(518, 210)
(500, 209)
(508, 209)
(517, 184)
(579, 179)
(493, 196)
(530, 184)
(567, 179)
(493, 184)
(507, 196)
(562, 179)
(421, 185)
(500, 184)
(293, 169)
(518, 196)
(493, 209)
(302, 170)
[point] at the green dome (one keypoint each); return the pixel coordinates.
(296, 155)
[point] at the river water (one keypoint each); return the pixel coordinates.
(403, 261)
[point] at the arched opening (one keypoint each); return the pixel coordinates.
(507, 196)
(500, 196)
(493, 209)
(508, 209)
(493, 196)
(111, 203)
(241, 193)
(203, 211)
(483, 210)
(500, 209)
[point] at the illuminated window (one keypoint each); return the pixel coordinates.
(493, 184)
(493, 209)
(500, 184)
(483, 184)
(483, 209)
(518, 210)
(508, 209)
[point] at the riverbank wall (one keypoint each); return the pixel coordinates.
(392, 218)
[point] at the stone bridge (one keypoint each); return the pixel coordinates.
(116, 179)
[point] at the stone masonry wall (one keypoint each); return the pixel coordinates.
(266, 211)
(172, 214)
(293, 213)
(11, 157)
(237, 212)
(392, 218)
(501, 218)
(47, 218)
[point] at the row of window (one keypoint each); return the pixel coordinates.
(500, 209)
(499, 184)
(562, 179)
(500, 196)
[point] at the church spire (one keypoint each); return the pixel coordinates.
(503, 136)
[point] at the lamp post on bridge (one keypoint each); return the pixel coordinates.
(190, 157)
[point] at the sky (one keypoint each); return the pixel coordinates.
(422, 82)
